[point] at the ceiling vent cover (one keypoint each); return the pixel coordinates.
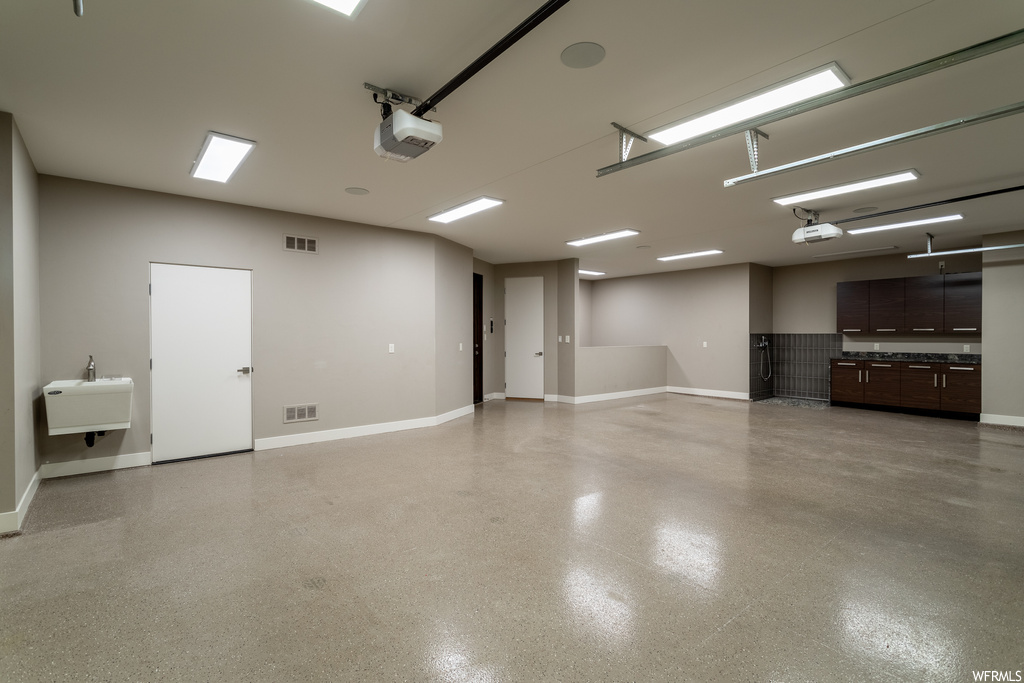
(306, 245)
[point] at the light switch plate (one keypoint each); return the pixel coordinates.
(391, 348)
(460, 346)
(705, 345)
(566, 339)
(559, 339)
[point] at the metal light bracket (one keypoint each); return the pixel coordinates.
(393, 97)
(624, 144)
(752, 135)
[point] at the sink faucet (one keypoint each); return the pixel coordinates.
(90, 370)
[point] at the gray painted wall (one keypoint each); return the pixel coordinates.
(1002, 325)
(584, 313)
(761, 300)
(568, 295)
(321, 323)
(27, 387)
(682, 310)
(611, 369)
(8, 459)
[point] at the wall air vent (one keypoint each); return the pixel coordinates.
(301, 413)
(298, 243)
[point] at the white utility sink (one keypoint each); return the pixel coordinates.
(75, 405)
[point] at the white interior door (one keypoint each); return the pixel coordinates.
(201, 346)
(524, 337)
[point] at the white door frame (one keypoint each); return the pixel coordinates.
(245, 356)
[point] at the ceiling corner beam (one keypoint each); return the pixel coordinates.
(899, 76)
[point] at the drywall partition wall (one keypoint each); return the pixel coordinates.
(761, 316)
(682, 310)
(804, 296)
(568, 294)
(584, 313)
(494, 362)
(19, 325)
(27, 386)
(453, 325)
(604, 372)
(549, 271)
(1002, 312)
(322, 323)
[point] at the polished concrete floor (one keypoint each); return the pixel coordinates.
(669, 538)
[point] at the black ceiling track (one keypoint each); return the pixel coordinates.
(954, 200)
(532, 22)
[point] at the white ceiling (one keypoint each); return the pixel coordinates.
(126, 93)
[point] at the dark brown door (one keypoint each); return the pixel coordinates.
(847, 381)
(963, 303)
(886, 312)
(919, 385)
(852, 306)
(924, 304)
(478, 338)
(961, 388)
(882, 383)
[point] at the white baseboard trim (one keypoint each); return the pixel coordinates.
(593, 398)
(553, 398)
(360, 430)
(713, 393)
(497, 395)
(51, 470)
(11, 521)
(1007, 420)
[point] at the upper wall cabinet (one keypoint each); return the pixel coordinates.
(962, 305)
(929, 304)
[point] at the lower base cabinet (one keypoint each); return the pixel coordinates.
(945, 387)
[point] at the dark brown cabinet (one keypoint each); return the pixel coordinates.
(885, 310)
(923, 305)
(961, 388)
(882, 383)
(962, 303)
(945, 387)
(919, 385)
(928, 304)
(848, 381)
(852, 300)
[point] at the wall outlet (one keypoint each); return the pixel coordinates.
(460, 346)
(967, 348)
(566, 339)
(391, 348)
(559, 339)
(876, 347)
(705, 345)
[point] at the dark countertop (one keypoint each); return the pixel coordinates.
(967, 358)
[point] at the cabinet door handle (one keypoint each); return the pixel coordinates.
(920, 367)
(951, 367)
(886, 329)
(924, 329)
(936, 380)
(851, 330)
(880, 365)
(965, 329)
(867, 376)
(858, 376)
(943, 380)
(854, 364)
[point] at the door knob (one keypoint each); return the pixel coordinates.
(245, 371)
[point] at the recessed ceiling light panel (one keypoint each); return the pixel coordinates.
(797, 89)
(220, 157)
(467, 209)
(628, 232)
(692, 254)
(350, 8)
(908, 224)
(892, 179)
(590, 272)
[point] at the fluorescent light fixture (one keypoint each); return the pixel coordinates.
(590, 272)
(220, 157)
(882, 181)
(855, 251)
(467, 209)
(908, 224)
(349, 8)
(975, 250)
(628, 232)
(692, 254)
(797, 89)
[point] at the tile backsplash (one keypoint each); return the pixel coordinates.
(799, 365)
